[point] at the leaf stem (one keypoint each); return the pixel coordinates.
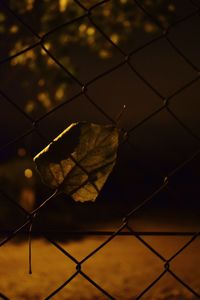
(119, 116)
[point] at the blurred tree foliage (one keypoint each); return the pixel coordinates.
(119, 19)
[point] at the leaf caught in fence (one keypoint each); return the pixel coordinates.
(79, 161)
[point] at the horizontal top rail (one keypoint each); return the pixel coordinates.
(108, 233)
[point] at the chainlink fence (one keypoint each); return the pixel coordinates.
(125, 228)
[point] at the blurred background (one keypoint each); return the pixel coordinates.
(66, 61)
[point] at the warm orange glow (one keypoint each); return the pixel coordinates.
(14, 29)
(59, 93)
(29, 106)
(27, 198)
(104, 53)
(30, 4)
(114, 38)
(131, 267)
(171, 7)
(90, 31)
(149, 27)
(82, 28)
(28, 173)
(106, 12)
(47, 46)
(44, 99)
(63, 5)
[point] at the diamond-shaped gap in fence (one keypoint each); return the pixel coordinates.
(171, 12)
(167, 245)
(50, 268)
(187, 265)
(135, 181)
(35, 92)
(75, 274)
(165, 213)
(40, 17)
(171, 210)
(185, 195)
(79, 109)
(123, 267)
(186, 107)
(79, 288)
(62, 214)
(168, 288)
(185, 35)
(19, 125)
(162, 67)
(11, 216)
(185, 189)
(161, 143)
(18, 37)
(125, 25)
(123, 87)
(90, 53)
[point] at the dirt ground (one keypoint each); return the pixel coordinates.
(124, 268)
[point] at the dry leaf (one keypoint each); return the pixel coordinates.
(79, 161)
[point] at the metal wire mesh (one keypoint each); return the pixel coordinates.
(125, 228)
